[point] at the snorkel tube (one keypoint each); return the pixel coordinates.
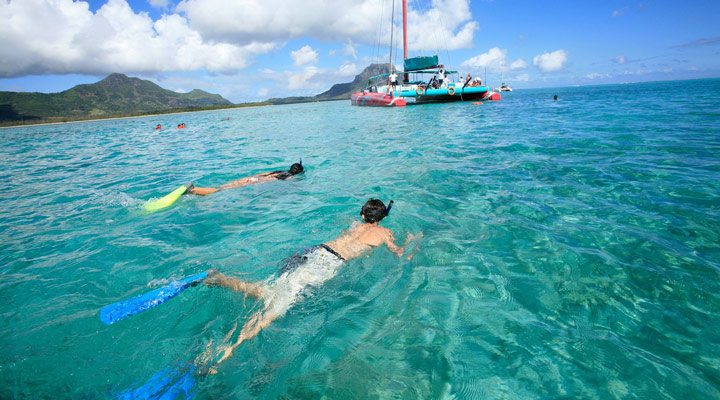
(389, 206)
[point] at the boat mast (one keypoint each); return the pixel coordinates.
(392, 29)
(406, 76)
(405, 48)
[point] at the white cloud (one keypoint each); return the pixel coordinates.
(493, 60)
(452, 26)
(550, 62)
(350, 50)
(263, 92)
(272, 20)
(304, 55)
(521, 78)
(518, 64)
(348, 70)
(448, 25)
(620, 59)
(66, 37)
(303, 79)
(308, 81)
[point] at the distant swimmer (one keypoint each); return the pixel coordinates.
(158, 127)
(555, 97)
(295, 169)
(181, 126)
(299, 274)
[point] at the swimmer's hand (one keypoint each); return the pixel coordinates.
(417, 238)
(410, 237)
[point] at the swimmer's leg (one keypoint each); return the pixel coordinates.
(237, 184)
(249, 289)
(252, 327)
(202, 191)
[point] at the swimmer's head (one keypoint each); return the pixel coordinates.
(374, 210)
(296, 168)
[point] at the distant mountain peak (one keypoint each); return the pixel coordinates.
(116, 77)
(115, 94)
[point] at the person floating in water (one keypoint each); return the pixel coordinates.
(158, 127)
(295, 169)
(307, 269)
(181, 126)
(555, 97)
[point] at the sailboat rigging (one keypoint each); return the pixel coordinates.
(415, 84)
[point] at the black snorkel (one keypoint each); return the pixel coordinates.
(387, 210)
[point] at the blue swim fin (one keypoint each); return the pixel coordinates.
(123, 309)
(167, 384)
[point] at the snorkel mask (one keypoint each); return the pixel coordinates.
(375, 210)
(297, 168)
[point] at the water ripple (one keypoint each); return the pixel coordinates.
(570, 248)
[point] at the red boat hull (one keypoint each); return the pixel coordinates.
(374, 99)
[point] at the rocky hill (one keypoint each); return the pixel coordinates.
(117, 94)
(339, 91)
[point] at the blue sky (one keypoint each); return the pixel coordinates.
(249, 50)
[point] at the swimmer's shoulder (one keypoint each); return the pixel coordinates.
(377, 235)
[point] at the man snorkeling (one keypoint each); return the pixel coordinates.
(295, 169)
(307, 269)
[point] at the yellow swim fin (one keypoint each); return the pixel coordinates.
(167, 200)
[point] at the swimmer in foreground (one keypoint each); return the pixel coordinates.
(295, 169)
(307, 269)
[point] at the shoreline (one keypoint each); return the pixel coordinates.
(127, 117)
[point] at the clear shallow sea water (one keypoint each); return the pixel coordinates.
(571, 249)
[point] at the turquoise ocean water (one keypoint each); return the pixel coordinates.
(571, 249)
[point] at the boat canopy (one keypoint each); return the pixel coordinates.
(432, 71)
(418, 63)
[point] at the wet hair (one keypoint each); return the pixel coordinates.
(296, 168)
(374, 210)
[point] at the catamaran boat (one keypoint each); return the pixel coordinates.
(423, 80)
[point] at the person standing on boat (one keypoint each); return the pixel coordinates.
(441, 77)
(301, 273)
(437, 79)
(392, 78)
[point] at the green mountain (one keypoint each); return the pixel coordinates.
(339, 91)
(115, 95)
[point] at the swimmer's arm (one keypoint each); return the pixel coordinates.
(399, 251)
(390, 242)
